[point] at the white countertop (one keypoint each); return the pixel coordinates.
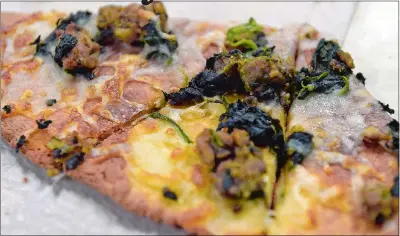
(369, 31)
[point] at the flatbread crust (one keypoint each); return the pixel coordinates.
(108, 173)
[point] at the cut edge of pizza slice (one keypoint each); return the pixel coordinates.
(343, 151)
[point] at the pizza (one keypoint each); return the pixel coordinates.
(234, 128)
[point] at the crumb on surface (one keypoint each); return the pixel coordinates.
(25, 180)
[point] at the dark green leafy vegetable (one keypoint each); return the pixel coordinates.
(330, 68)
(361, 78)
(43, 124)
(146, 2)
(74, 161)
(20, 142)
(156, 115)
(233, 72)
(51, 102)
(328, 57)
(386, 108)
(7, 109)
(207, 83)
(299, 146)
(394, 128)
(66, 44)
(160, 45)
(268, 94)
(80, 18)
(58, 153)
(262, 129)
(323, 83)
(246, 37)
(395, 189)
(167, 193)
(104, 37)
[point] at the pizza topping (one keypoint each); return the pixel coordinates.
(394, 128)
(7, 109)
(79, 18)
(232, 72)
(206, 83)
(395, 189)
(361, 78)
(263, 130)
(246, 37)
(386, 108)
(377, 201)
(268, 94)
(330, 68)
(20, 142)
(379, 219)
(158, 45)
(76, 52)
(236, 161)
(125, 22)
(156, 115)
(66, 44)
(237, 208)
(43, 124)
(322, 83)
(75, 140)
(139, 26)
(329, 57)
(167, 193)
(74, 161)
(298, 146)
(146, 2)
(51, 102)
(59, 148)
(104, 37)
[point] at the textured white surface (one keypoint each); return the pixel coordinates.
(46, 206)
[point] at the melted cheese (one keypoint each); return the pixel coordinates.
(341, 117)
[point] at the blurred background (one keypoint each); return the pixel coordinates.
(368, 30)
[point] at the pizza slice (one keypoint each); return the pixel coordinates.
(209, 159)
(82, 101)
(343, 151)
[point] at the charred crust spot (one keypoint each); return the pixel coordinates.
(167, 193)
(20, 142)
(7, 109)
(74, 161)
(43, 124)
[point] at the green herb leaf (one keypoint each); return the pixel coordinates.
(345, 89)
(156, 115)
(244, 35)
